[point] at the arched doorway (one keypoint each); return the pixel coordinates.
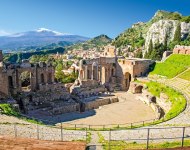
(10, 80)
(49, 77)
(127, 80)
(25, 78)
(42, 78)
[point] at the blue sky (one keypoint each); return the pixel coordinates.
(82, 17)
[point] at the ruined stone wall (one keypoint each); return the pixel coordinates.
(100, 69)
(12, 73)
(65, 109)
(100, 102)
(45, 75)
(141, 68)
(3, 83)
(1, 56)
(181, 50)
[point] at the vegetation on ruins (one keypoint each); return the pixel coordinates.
(177, 100)
(59, 74)
(7, 109)
(173, 66)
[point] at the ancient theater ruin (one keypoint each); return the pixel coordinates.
(33, 86)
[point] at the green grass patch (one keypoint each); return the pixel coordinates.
(89, 137)
(7, 109)
(120, 145)
(173, 66)
(185, 75)
(177, 99)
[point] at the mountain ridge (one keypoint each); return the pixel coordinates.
(39, 37)
(97, 43)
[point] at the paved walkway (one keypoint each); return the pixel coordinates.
(94, 144)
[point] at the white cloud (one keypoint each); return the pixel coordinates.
(4, 33)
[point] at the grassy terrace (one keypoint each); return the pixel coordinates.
(176, 98)
(173, 66)
(185, 75)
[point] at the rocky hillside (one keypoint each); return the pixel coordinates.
(95, 43)
(161, 29)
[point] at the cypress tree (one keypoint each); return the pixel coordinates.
(177, 34)
(150, 49)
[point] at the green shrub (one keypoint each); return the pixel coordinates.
(8, 110)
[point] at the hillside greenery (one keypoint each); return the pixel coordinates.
(136, 35)
(18, 57)
(132, 36)
(97, 42)
(165, 15)
(173, 66)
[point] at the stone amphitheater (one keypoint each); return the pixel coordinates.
(94, 90)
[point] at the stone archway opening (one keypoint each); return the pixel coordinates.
(127, 80)
(49, 77)
(25, 78)
(42, 78)
(10, 81)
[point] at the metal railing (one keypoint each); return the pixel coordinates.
(145, 138)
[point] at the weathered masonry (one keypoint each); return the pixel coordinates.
(113, 71)
(11, 76)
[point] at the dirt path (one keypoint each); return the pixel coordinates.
(7, 143)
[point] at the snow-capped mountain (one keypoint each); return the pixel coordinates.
(39, 37)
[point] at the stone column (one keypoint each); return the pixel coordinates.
(100, 74)
(103, 75)
(86, 73)
(19, 83)
(92, 74)
(80, 75)
(97, 73)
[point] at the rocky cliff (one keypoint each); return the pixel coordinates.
(160, 28)
(164, 30)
